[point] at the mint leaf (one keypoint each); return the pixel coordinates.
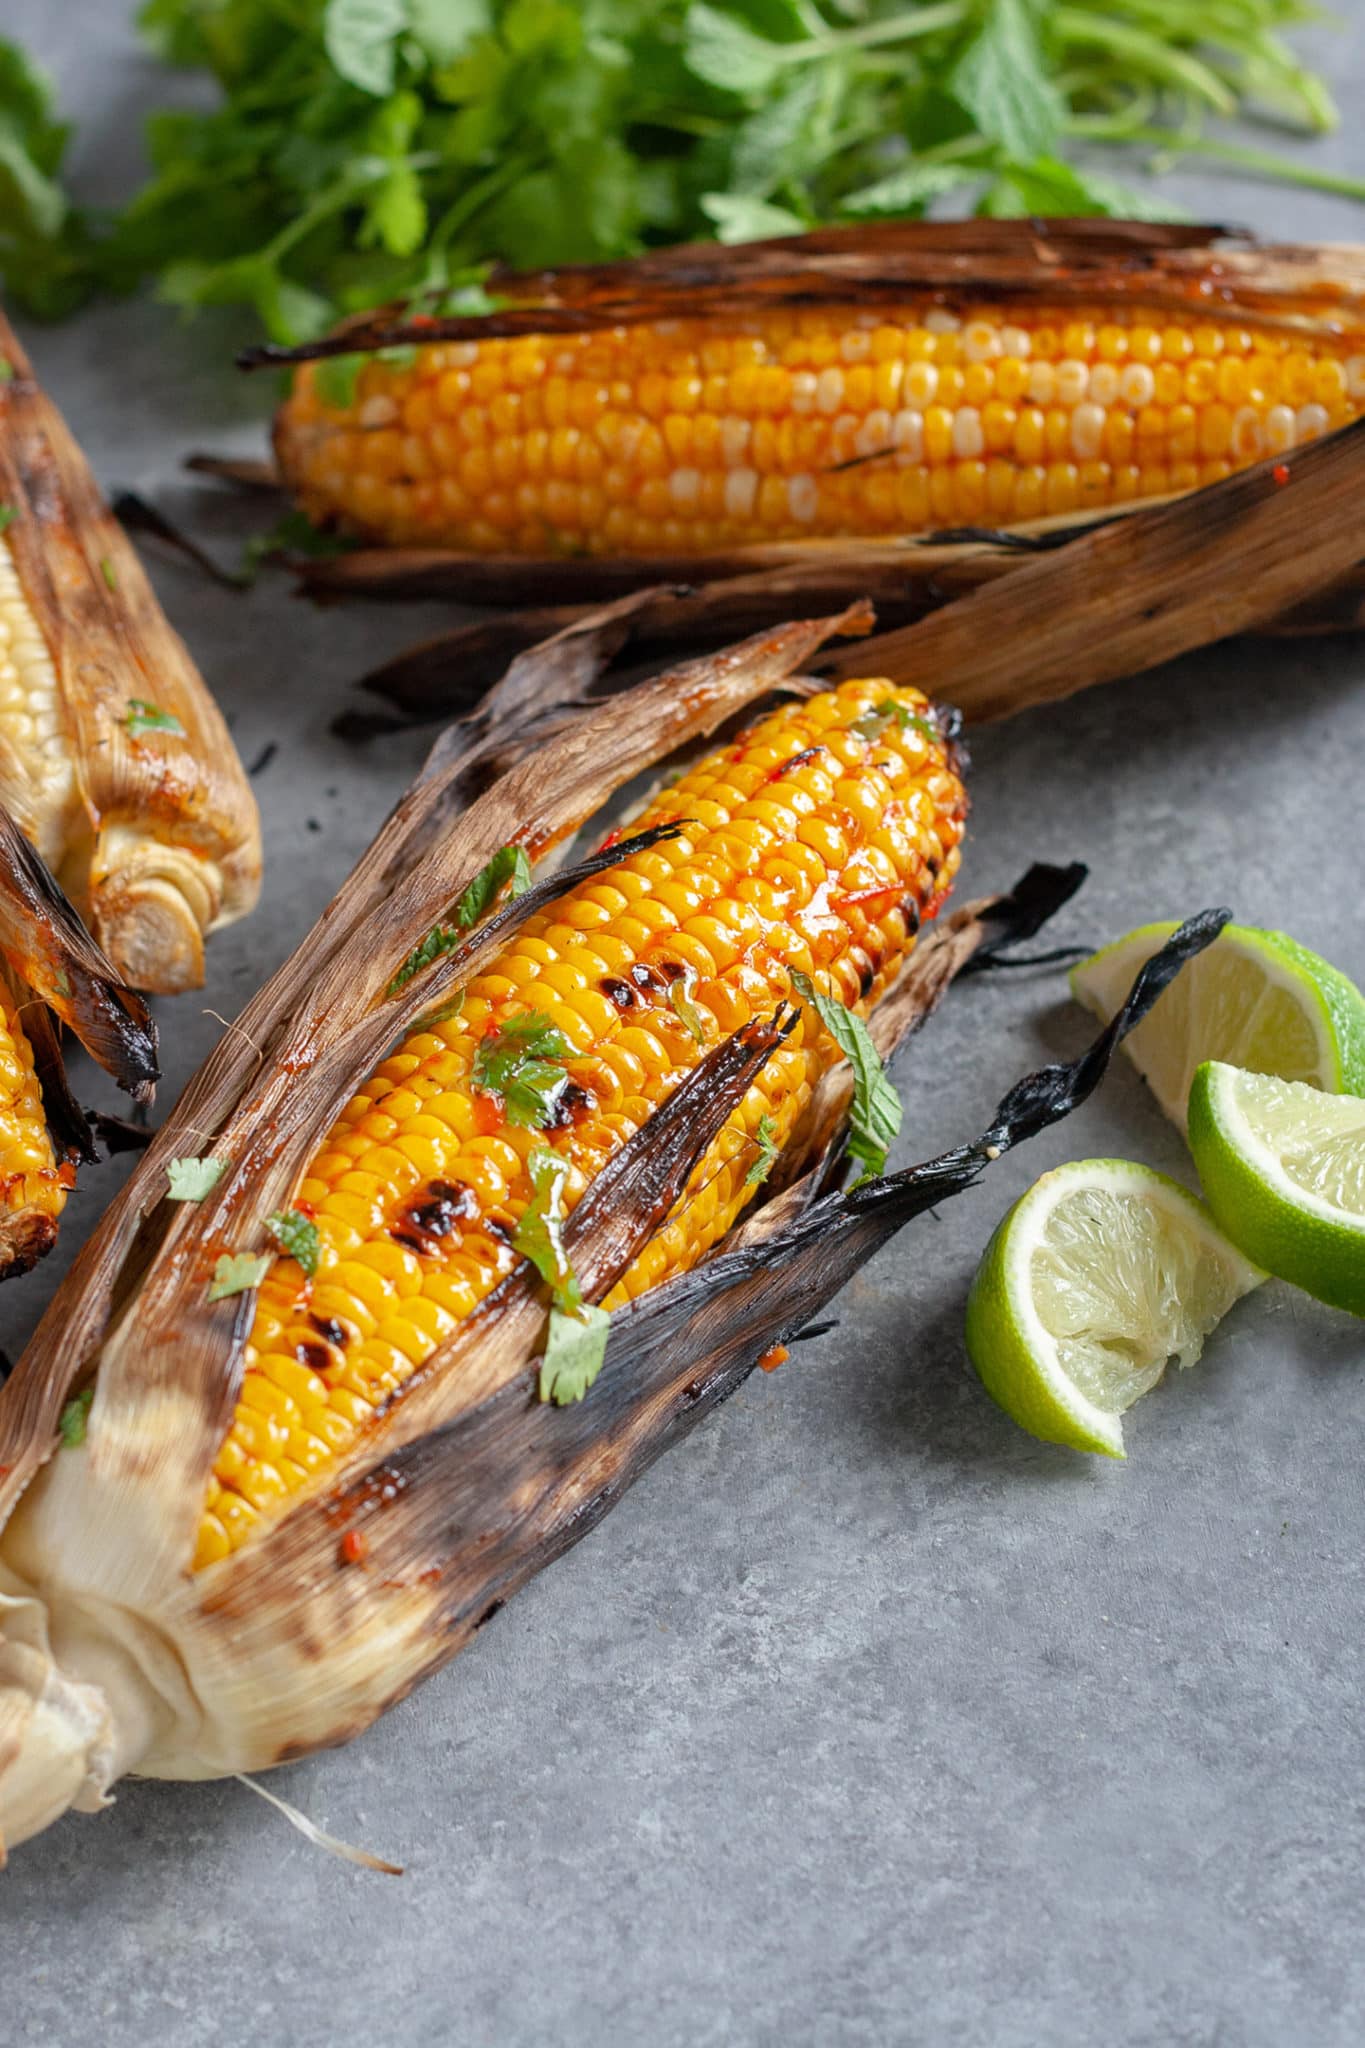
(73, 1418)
(1001, 79)
(875, 1116)
(910, 189)
(539, 1235)
(238, 1273)
(721, 50)
(191, 1179)
(297, 1235)
(741, 218)
(360, 37)
(575, 1346)
(143, 717)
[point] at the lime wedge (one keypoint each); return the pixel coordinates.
(1255, 999)
(1099, 1277)
(1284, 1169)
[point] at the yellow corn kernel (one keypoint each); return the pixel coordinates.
(807, 840)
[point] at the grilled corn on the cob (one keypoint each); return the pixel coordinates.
(233, 1413)
(693, 436)
(817, 842)
(113, 757)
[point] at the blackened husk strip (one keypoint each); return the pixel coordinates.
(495, 1495)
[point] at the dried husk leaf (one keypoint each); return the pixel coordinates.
(167, 843)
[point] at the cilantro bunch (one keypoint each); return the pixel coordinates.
(361, 150)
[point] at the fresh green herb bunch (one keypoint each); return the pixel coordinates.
(367, 149)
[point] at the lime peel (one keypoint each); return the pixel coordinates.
(1096, 1279)
(1283, 1166)
(1256, 999)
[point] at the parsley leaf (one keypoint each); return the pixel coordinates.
(191, 1179)
(522, 1064)
(237, 1273)
(143, 717)
(875, 1116)
(575, 1346)
(297, 1235)
(765, 1138)
(539, 1235)
(73, 1418)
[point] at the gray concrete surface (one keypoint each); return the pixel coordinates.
(864, 1719)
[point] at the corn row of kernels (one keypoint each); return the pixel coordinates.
(29, 1175)
(791, 858)
(670, 437)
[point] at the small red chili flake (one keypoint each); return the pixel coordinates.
(613, 838)
(1280, 473)
(421, 320)
(777, 1354)
(353, 1547)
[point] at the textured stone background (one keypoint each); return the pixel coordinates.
(865, 1719)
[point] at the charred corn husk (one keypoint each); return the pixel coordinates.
(742, 415)
(51, 972)
(376, 1555)
(113, 757)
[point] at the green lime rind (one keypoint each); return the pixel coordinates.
(1299, 1237)
(1007, 1367)
(1327, 1001)
(1016, 1354)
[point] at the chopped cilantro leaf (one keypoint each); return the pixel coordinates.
(237, 1273)
(765, 1138)
(522, 1063)
(873, 724)
(109, 573)
(575, 1346)
(144, 717)
(73, 1418)
(539, 1234)
(192, 1179)
(8, 515)
(509, 864)
(297, 1235)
